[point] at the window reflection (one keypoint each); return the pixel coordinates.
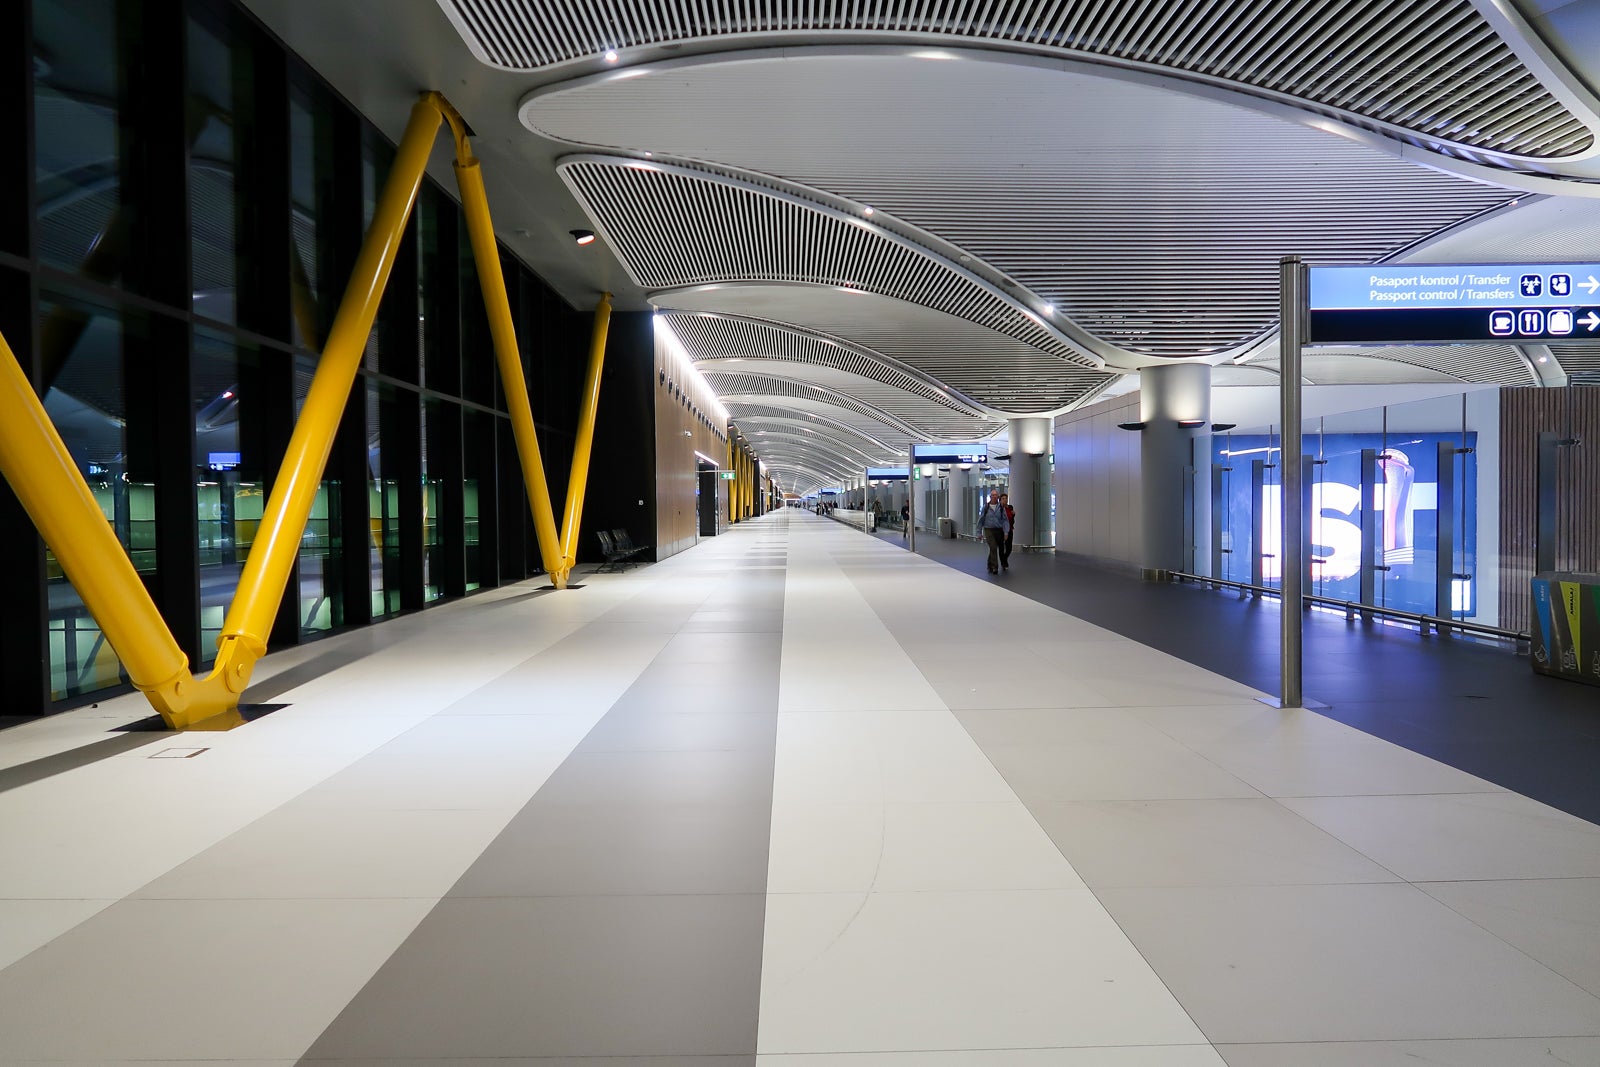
(86, 404)
(212, 166)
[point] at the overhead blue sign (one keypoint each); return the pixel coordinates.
(1455, 302)
(888, 474)
(965, 452)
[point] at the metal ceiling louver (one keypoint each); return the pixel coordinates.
(1579, 361)
(1434, 68)
(674, 229)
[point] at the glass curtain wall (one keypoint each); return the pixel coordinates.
(192, 225)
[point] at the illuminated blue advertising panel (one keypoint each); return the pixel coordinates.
(1405, 499)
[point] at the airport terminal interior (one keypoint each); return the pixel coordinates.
(758, 534)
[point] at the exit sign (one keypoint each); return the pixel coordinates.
(727, 476)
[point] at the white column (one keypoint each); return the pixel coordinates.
(1170, 395)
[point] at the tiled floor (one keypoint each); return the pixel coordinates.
(795, 798)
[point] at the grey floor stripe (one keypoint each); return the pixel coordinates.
(618, 919)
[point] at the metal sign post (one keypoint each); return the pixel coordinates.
(912, 477)
(1291, 548)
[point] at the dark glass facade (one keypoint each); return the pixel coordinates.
(180, 207)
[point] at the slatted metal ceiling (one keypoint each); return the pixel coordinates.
(1152, 219)
(709, 337)
(674, 228)
(1578, 359)
(1433, 67)
(1002, 373)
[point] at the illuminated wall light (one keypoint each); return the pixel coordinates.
(583, 237)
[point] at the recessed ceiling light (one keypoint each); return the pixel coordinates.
(867, 210)
(611, 55)
(1049, 309)
(583, 237)
(1544, 359)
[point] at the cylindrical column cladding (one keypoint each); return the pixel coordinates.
(958, 482)
(1030, 442)
(1169, 396)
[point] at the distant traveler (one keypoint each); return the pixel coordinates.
(905, 520)
(1011, 529)
(993, 522)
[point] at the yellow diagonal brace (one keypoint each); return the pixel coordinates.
(283, 523)
(480, 229)
(584, 445)
(36, 462)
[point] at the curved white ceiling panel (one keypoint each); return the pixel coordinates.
(724, 337)
(1383, 365)
(1152, 220)
(1002, 373)
(929, 420)
(874, 427)
(871, 436)
(1433, 71)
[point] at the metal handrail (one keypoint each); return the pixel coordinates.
(1351, 607)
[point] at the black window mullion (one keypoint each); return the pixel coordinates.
(24, 655)
(16, 100)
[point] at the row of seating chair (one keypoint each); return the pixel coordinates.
(618, 549)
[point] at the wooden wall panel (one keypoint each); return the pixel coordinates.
(1574, 413)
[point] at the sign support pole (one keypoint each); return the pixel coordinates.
(911, 497)
(1291, 547)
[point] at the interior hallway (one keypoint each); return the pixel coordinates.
(793, 797)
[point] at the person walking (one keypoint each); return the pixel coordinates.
(1011, 530)
(992, 521)
(905, 520)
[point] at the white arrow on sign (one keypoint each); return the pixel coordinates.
(1592, 284)
(1590, 321)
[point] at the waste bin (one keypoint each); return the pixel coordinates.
(947, 527)
(1566, 626)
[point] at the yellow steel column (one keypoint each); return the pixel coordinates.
(41, 471)
(266, 570)
(583, 446)
(480, 228)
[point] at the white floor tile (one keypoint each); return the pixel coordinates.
(897, 971)
(1358, 766)
(1200, 843)
(1460, 836)
(1518, 1052)
(26, 925)
(307, 853)
(857, 848)
(182, 980)
(1105, 1056)
(1342, 963)
(1556, 921)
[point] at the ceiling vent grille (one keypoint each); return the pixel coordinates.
(1434, 68)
